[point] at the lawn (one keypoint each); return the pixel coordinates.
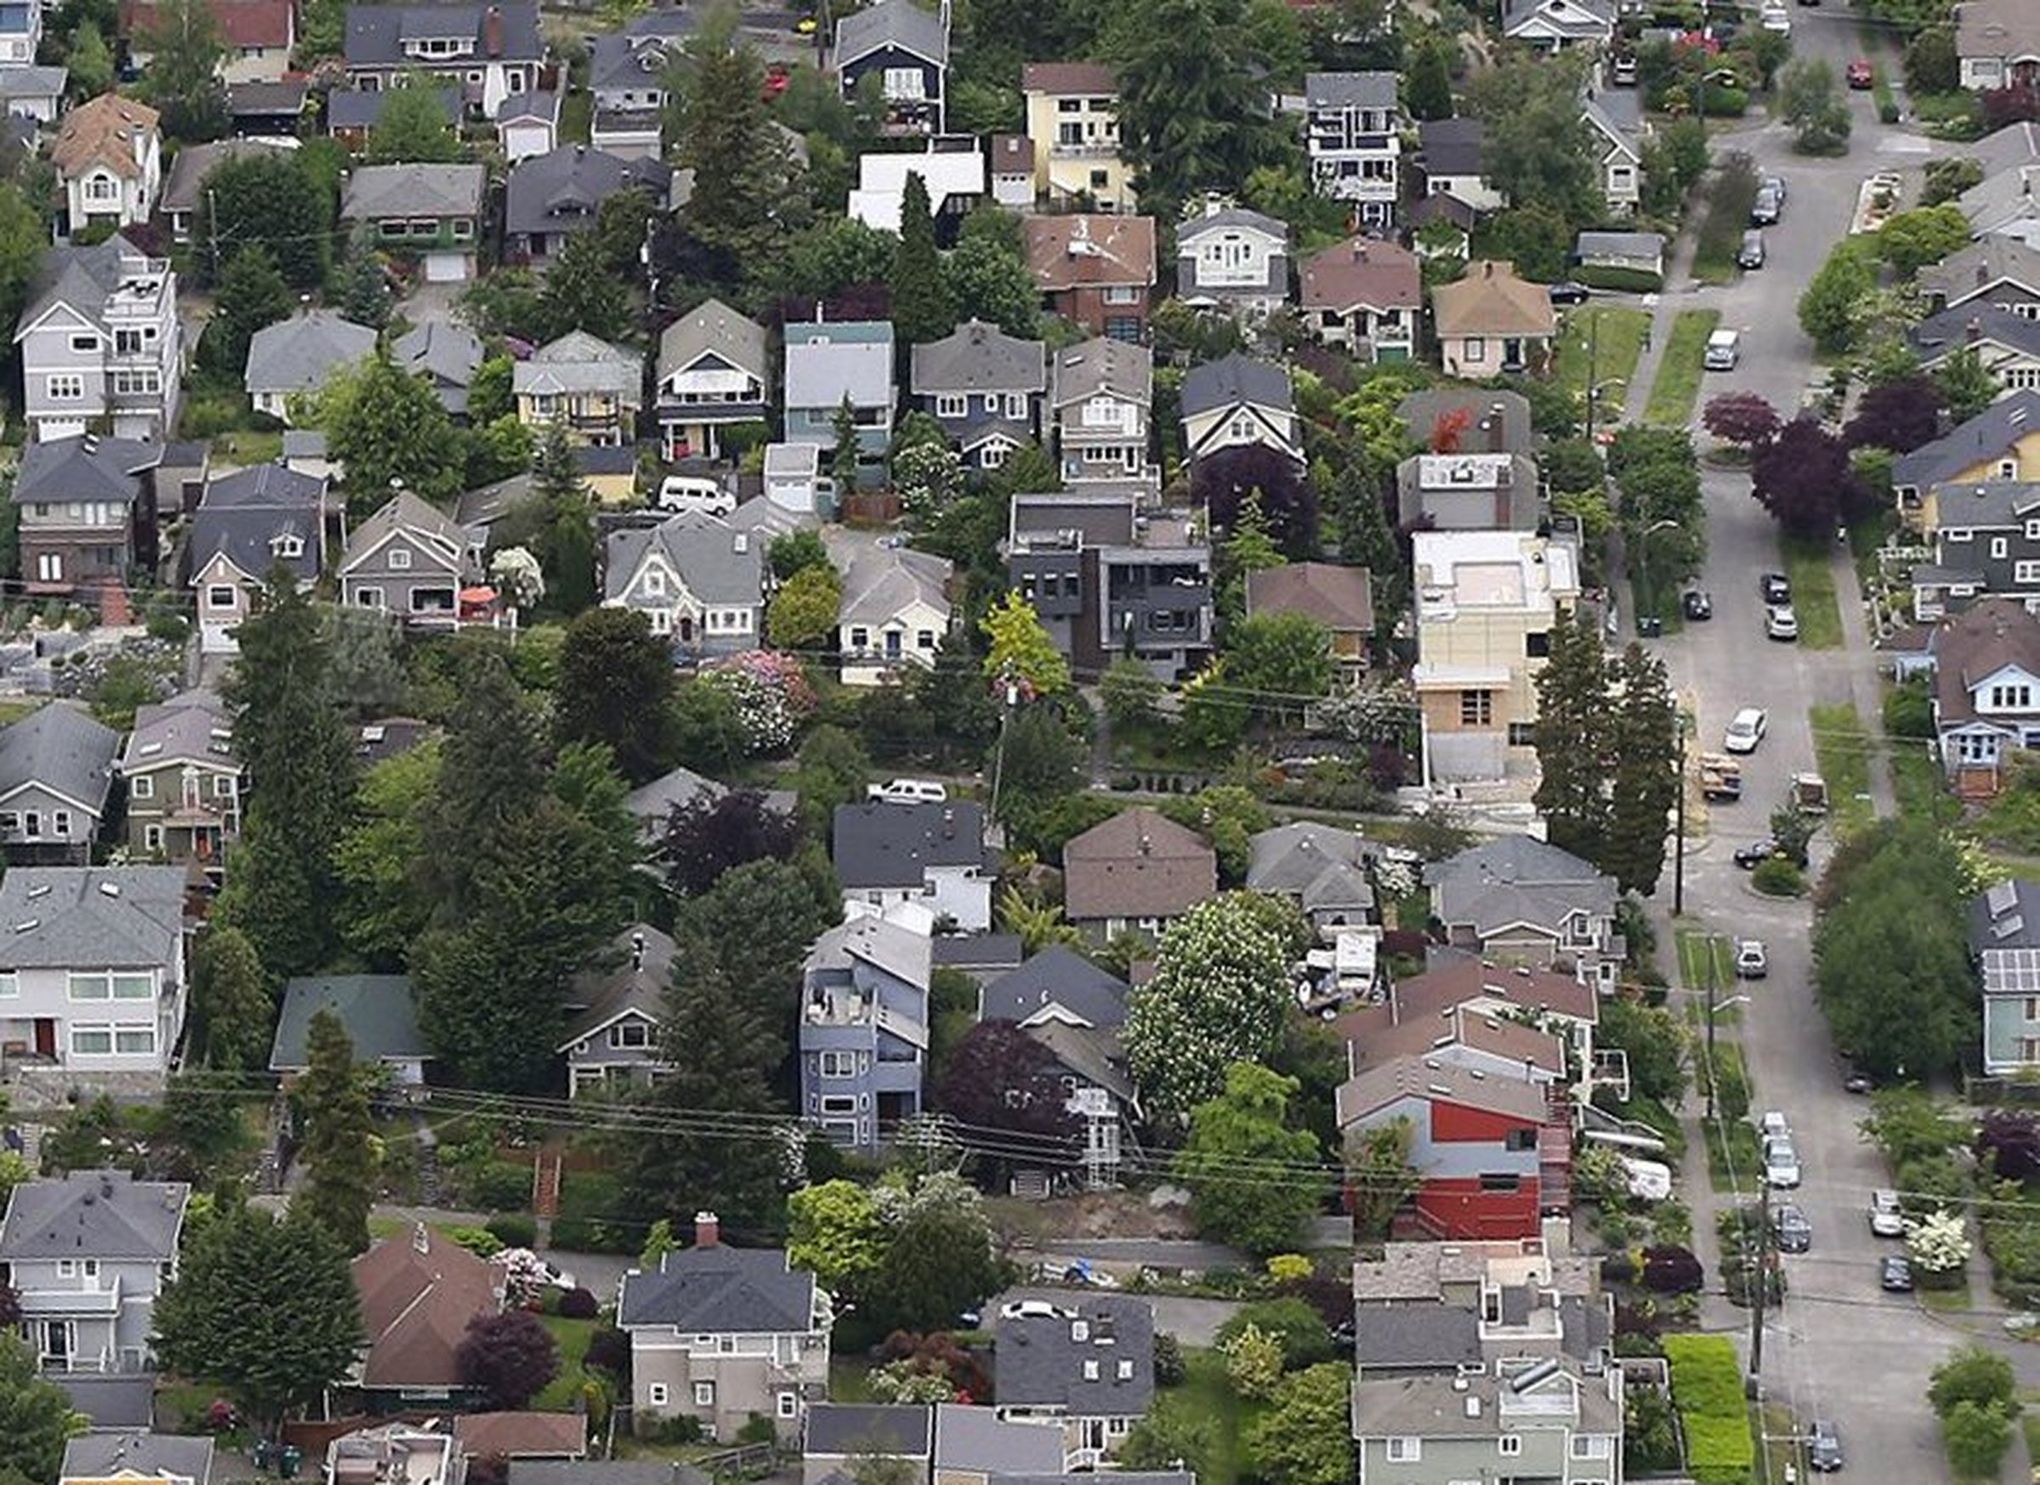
(246, 448)
(1205, 1397)
(1677, 384)
(1810, 566)
(1704, 960)
(1842, 750)
(1918, 783)
(563, 1393)
(1615, 338)
(1736, 1167)
(577, 116)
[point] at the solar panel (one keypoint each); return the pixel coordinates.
(2011, 972)
(2002, 898)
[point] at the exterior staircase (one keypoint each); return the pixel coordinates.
(1555, 1153)
(114, 608)
(545, 1182)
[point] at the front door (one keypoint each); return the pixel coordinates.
(45, 1036)
(57, 1344)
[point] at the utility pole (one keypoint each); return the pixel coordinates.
(1679, 846)
(1712, 1008)
(1593, 360)
(1762, 1286)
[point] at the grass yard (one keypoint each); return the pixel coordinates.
(1615, 336)
(577, 116)
(2029, 1425)
(849, 1380)
(245, 448)
(1920, 786)
(1842, 750)
(1778, 1433)
(1705, 961)
(1205, 1397)
(1946, 1301)
(562, 1394)
(1810, 566)
(1735, 1162)
(13, 710)
(1677, 385)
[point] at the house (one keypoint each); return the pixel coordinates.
(410, 560)
(56, 770)
(1458, 1036)
(1090, 1364)
(1353, 135)
(21, 33)
(1986, 663)
(87, 1254)
(267, 110)
(864, 1023)
(1075, 1011)
(255, 36)
(652, 804)
(1073, 132)
(96, 959)
(1997, 43)
(1986, 542)
(183, 780)
(1447, 420)
(1137, 871)
(2000, 443)
(35, 93)
(933, 854)
(1058, 986)
(612, 1037)
(84, 522)
(2005, 342)
(418, 1291)
(1627, 252)
(1232, 259)
(795, 487)
(352, 112)
(713, 372)
(1554, 25)
(1096, 271)
(295, 358)
(1100, 397)
(905, 48)
(725, 1335)
(1323, 869)
(700, 584)
(1108, 580)
(553, 196)
(953, 178)
(1491, 321)
(1452, 161)
(184, 188)
(248, 523)
(975, 1446)
(2004, 940)
(138, 1456)
(592, 388)
(378, 1012)
(1468, 492)
(391, 1451)
(489, 51)
(1340, 598)
(1239, 402)
(508, 1436)
(447, 356)
(895, 612)
(831, 362)
(1544, 1420)
(1363, 296)
(835, 1435)
(1515, 900)
(528, 124)
(627, 79)
(2002, 205)
(109, 159)
(1011, 167)
(1999, 271)
(100, 341)
(985, 388)
(1454, 1309)
(424, 214)
(1618, 132)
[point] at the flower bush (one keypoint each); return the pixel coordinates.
(771, 693)
(1938, 1243)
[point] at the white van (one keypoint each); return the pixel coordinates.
(690, 494)
(908, 791)
(1724, 350)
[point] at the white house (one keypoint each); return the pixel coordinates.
(87, 1254)
(955, 180)
(894, 613)
(1239, 402)
(100, 340)
(1232, 259)
(933, 854)
(698, 581)
(1557, 24)
(1353, 133)
(1997, 43)
(109, 156)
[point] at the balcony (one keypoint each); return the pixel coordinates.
(1090, 149)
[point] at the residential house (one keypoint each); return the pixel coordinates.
(975, 1446)
(933, 854)
(183, 780)
(1363, 296)
(1452, 161)
(34, 93)
(1239, 402)
(1075, 1011)
(489, 51)
(84, 522)
(2004, 940)
(1451, 1309)
(699, 583)
(2005, 147)
(1491, 321)
(1986, 663)
(1468, 492)
(255, 36)
(528, 124)
(1232, 259)
(410, 560)
(2003, 204)
(1458, 1036)
(352, 112)
(985, 388)
(834, 1436)
(1057, 986)
(713, 372)
(137, 1456)
(56, 770)
(379, 1013)
(1554, 25)
(627, 78)
(184, 187)
(418, 1291)
(1544, 1420)
(397, 1451)
(1089, 1363)
(100, 342)
(447, 356)
(1322, 869)
(615, 1009)
(1011, 167)
(1340, 598)
(389, 737)
(2005, 343)
(864, 1020)
(247, 524)
(295, 357)
(895, 612)
(109, 158)
(1100, 396)
(267, 110)
(419, 213)
(1986, 542)
(906, 49)
(95, 956)
(21, 34)
(553, 196)
(1353, 135)
(1515, 900)
(1449, 420)
(1073, 131)
(1138, 870)
(1098, 272)
(831, 362)
(592, 388)
(724, 1335)
(1109, 580)
(511, 1436)
(1627, 252)
(87, 1254)
(2000, 443)
(1997, 43)
(1999, 271)
(953, 178)
(795, 487)
(1618, 130)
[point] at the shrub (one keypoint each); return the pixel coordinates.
(1707, 1390)
(500, 1186)
(1625, 280)
(609, 1351)
(1305, 1340)
(477, 1240)
(1672, 1270)
(168, 627)
(514, 1229)
(579, 1304)
(585, 1223)
(1169, 1369)
(1778, 877)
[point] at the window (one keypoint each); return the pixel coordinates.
(1522, 735)
(788, 1404)
(1124, 1371)
(1512, 1445)
(90, 986)
(31, 825)
(844, 1064)
(1520, 1139)
(144, 383)
(992, 456)
(220, 597)
(1122, 294)
(704, 1394)
(400, 560)
(1405, 1450)
(1590, 1446)
(1475, 349)
(2026, 572)
(924, 639)
(2022, 378)
(1999, 547)
(1500, 1182)
(85, 345)
(1090, 1371)
(1537, 646)
(152, 837)
(1957, 533)
(860, 639)
(138, 1040)
(134, 987)
(63, 823)
(368, 597)
(951, 404)
(49, 567)
(1476, 708)
(905, 84)
(2008, 469)
(656, 1393)
(91, 1041)
(632, 1033)
(10, 986)
(2011, 698)
(288, 547)
(66, 386)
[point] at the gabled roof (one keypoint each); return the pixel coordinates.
(193, 726)
(1375, 1036)
(1968, 648)
(1429, 1334)
(1235, 380)
(635, 985)
(1618, 116)
(406, 511)
(1349, 90)
(636, 57)
(1340, 598)
(977, 1440)
(379, 1013)
(899, 24)
(1067, 79)
(1056, 978)
(446, 354)
(580, 363)
(267, 24)
(1516, 879)
(1415, 1076)
(1985, 263)
(521, 1435)
(714, 329)
(1362, 272)
(373, 192)
(2002, 29)
(1138, 864)
(881, 584)
(889, 1430)
(101, 1456)
(670, 791)
(1103, 365)
(719, 566)
(266, 100)
(502, 30)
(604, 1472)
(1496, 419)
(33, 82)
(1940, 336)
(1090, 250)
(250, 517)
(92, 917)
(1491, 300)
(194, 162)
(300, 353)
(1988, 435)
(61, 748)
(562, 190)
(1042, 1358)
(104, 1214)
(878, 844)
(1985, 504)
(719, 1289)
(2015, 144)
(1228, 219)
(1288, 859)
(87, 468)
(892, 947)
(529, 107)
(418, 1291)
(1619, 245)
(111, 1399)
(103, 133)
(1095, 1054)
(1574, 19)
(1452, 146)
(978, 357)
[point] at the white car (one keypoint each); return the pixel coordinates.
(1029, 1309)
(687, 494)
(1886, 1220)
(1750, 963)
(1781, 1165)
(1777, 19)
(1745, 730)
(1773, 1126)
(1780, 622)
(1648, 1180)
(908, 791)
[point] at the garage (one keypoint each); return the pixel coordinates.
(446, 268)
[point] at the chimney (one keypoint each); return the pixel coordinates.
(421, 1238)
(1973, 331)
(1495, 426)
(1146, 845)
(637, 950)
(1982, 273)
(1487, 268)
(492, 31)
(1359, 250)
(707, 1230)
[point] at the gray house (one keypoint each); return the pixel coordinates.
(295, 357)
(1089, 1364)
(1239, 402)
(1101, 404)
(101, 344)
(627, 76)
(714, 368)
(837, 1435)
(88, 1254)
(490, 52)
(168, 1458)
(725, 1335)
(1234, 260)
(985, 388)
(1518, 900)
(378, 1012)
(1322, 868)
(2000, 271)
(612, 1039)
(446, 355)
(183, 780)
(905, 47)
(864, 1025)
(1541, 1420)
(698, 582)
(249, 523)
(829, 364)
(84, 520)
(56, 769)
(1986, 541)
(551, 197)
(410, 560)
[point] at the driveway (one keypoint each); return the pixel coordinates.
(1194, 1322)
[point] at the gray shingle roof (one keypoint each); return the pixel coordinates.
(892, 23)
(1435, 1406)
(191, 726)
(562, 190)
(1620, 244)
(1600, 16)
(1041, 1362)
(1349, 90)
(377, 191)
(636, 982)
(1986, 436)
(1232, 380)
(614, 58)
(79, 917)
(895, 1430)
(1979, 266)
(100, 1455)
(1057, 976)
(376, 33)
(380, 1013)
(61, 748)
(245, 514)
(1942, 335)
(1452, 146)
(32, 82)
(719, 1289)
(713, 328)
(87, 468)
(266, 100)
(708, 556)
(356, 108)
(298, 354)
(445, 354)
(94, 1213)
(1516, 879)
(880, 584)
(1235, 217)
(78, 276)
(263, 485)
(1415, 1335)
(1297, 858)
(820, 374)
(195, 162)
(578, 363)
(111, 1399)
(604, 1472)
(1104, 365)
(892, 845)
(978, 357)
(977, 1440)
(1987, 503)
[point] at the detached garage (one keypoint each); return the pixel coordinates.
(429, 213)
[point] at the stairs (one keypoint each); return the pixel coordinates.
(114, 608)
(1554, 1153)
(545, 1182)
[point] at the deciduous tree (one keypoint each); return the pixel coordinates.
(1251, 1176)
(1827, 308)
(1021, 650)
(1275, 663)
(1223, 482)
(1967, 384)
(1741, 418)
(1306, 1437)
(38, 1416)
(1899, 415)
(1218, 996)
(1914, 239)
(185, 48)
(273, 200)
(508, 1358)
(999, 1077)
(388, 426)
(413, 127)
(252, 295)
(1804, 479)
(708, 836)
(803, 613)
(377, 859)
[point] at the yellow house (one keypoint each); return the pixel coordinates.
(593, 388)
(2000, 443)
(1486, 601)
(1073, 123)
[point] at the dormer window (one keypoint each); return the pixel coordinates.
(287, 547)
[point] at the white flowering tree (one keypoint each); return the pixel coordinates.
(517, 572)
(524, 1276)
(1938, 1242)
(1219, 995)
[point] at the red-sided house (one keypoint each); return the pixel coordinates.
(1493, 1152)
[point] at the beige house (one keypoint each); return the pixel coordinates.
(593, 388)
(1491, 321)
(183, 781)
(1073, 124)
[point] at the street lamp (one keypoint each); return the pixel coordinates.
(1714, 1009)
(1643, 559)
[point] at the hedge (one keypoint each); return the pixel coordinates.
(1626, 280)
(1707, 1389)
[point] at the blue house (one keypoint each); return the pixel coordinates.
(905, 50)
(864, 1025)
(2004, 939)
(829, 363)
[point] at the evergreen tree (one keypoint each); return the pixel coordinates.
(252, 295)
(339, 1133)
(582, 292)
(89, 62)
(616, 684)
(274, 200)
(1366, 538)
(1246, 550)
(1646, 774)
(182, 79)
(1192, 109)
(742, 171)
(843, 458)
(362, 292)
(565, 546)
(494, 768)
(922, 307)
(231, 998)
(1571, 735)
(1430, 83)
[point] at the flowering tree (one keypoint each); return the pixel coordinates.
(524, 1276)
(1938, 1243)
(771, 694)
(1219, 995)
(1253, 1361)
(515, 569)
(927, 477)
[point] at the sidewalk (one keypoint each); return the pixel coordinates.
(1866, 688)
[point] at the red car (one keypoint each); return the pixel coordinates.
(1861, 77)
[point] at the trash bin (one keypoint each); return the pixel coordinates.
(1649, 626)
(262, 1453)
(289, 1460)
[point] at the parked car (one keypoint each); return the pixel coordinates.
(1724, 349)
(1859, 1082)
(1622, 72)
(1775, 587)
(1775, 184)
(908, 791)
(1886, 1220)
(1750, 963)
(1772, 1126)
(1697, 604)
(1862, 76)
(1781, 623)
(1824, 1444)
(1894, 1274)
(1751, 253)
(1777, 19)
(1781, 1165)
(1794, 1233)
(689, 494)
(1745, 730)
(1756, 853)
(1568, 292)
(1766, 207)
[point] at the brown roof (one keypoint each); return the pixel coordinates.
(1360, 271)
(1340, 598)
(263, 23)
(1972, 645)
(1012, 154)
(102, 132)
(1375, 1036)
(418, 1291)
(1415, 1077)
(1465, 977)
(522, 1435)
(1068, 77)
(1138, 864)
(1997, 28)
(1491, 300)
(1090, 249)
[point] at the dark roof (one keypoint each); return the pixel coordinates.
(892, 845)
(96, 1456)
(969, 951)
(66, 917)
(1983, 504)
(978, 357)
(1425, 1334)
(1516, 879)
(376, 33)
(63, 749)
(1498, 420)
(1234, 379)
(718, 1289)
(356, 108)
(248, 514)
(605, 458)
(111, 1399)
(870, 1428)
(386, 737)
(1942, 335)
(1040, 1361)
(1452, 146)
(1986, 436)
(103, 1214)
(1138, 864)
(1349, 90)
(1057, 976)
(1968, 648)
(265, 100)
(643, 968)
(87, 468)
(561, 190)
(898, 24)
(636, 56)
(2006, 917)
(380, 1013)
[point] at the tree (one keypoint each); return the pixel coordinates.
(1571, 738)
(582, 292)
(23, 241)
(1645, 782)
(1977, 1438)
(2009, 1139)
(1247, 1170)
(790, 553)
(1367, 537)
(832, 769)
(1275, 662)
(509, 1358)
(939, 1257)
(338, 1135)
(1538, 145)
(1253, 1361)
(803, 613)
(361, 292)
(1655, 1044)
(1809, 103)
(1966, 384)
(999, 1077)
(1306, 1436)
(1227, 481)
(1036, 762)
(265, 1307)
(386, 425)
(1246, 550)
(37, 1416)
(1914, 239)
(1976, 1376)
(89, 62)
(1021, 650)
(412, 128)
(1168, 1440)
(834, 1229)
(1219, 995)
(1131, 694)
(1827, 309)
(378, 857)
(712, 833)
(1294, 1323)
(1804, 479)
(1191, 109)
(834, 256)
(991, 281)
(252, 295)
(742, 172)
(1429, 88)
(1898, 415)
(847, 452)
(1379, 1174)
(1741, 418)
(1932, 64)
(557, 525)
(272, 200)
(616, 681)
(784, 909)
(182, 79)
(231, 998)
(923, 308)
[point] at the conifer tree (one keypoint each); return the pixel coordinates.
(922, 307)
(1571, 735)
(1646, 777)
(339, 1131)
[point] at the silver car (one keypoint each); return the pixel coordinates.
(1886, 1220)
(1781, 1165)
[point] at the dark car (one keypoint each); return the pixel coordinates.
(1859, 1082)
(1894, 1275)
(1568, 292)
(1824, 1447)
(1756, 853)
(1794, 1232)
(1775, 587)
(1697, 603)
